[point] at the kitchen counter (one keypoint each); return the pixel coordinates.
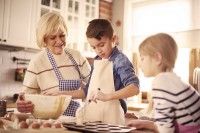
(12, 107)
(44, 130)
(54, 130)
(137, 106)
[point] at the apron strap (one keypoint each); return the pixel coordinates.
(72, 108)
(74, 63)
(53, 63)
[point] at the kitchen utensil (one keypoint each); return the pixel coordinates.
(46, 107)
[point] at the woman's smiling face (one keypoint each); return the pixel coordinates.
(55, 42)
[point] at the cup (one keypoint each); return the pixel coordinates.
(2, 108)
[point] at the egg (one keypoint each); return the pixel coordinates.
(57, 125)
(39, 121)
(50, 121)
(29, 121)
(46, 125)
(35, 125)
(23, 124)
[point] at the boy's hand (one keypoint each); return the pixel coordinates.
(99, 95)
(102, 96)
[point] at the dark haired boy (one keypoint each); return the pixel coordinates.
(100, 37)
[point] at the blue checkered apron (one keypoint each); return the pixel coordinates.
(66, 85)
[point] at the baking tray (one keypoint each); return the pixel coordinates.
(98, 127)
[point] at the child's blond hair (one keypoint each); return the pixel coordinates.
(165, 45)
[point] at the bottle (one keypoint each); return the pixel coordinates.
(2, 108)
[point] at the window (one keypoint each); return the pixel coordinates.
(150, 17)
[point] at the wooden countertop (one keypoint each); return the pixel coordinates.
(137, 106)
(44, 130)
(11, 105)
(51, 130)
(54, 130)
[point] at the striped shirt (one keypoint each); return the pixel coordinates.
(176, 104)
(40, 75)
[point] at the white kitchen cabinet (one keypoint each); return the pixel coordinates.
(15, 22)
(79, 13)
(18, 20)
(1, 19)
(52, 6)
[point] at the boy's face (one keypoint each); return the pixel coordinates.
(103, 47)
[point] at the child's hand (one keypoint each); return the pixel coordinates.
(92, 96)
(139, 124)
(102, 96)
(143, 124)
(99, 95)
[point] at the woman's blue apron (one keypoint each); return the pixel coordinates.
(67, 85)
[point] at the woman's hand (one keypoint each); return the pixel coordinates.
(52, 92)
(24, 106)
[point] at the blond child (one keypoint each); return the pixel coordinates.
(176, 103)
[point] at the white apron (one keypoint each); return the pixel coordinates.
(108, 112)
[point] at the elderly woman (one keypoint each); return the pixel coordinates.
(54, 70)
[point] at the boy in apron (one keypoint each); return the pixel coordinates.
(113, 77)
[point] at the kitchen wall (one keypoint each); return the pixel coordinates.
(8, 85)
(109, 9)
(105, 9)
(117, 20)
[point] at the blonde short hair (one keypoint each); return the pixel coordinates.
(163, 44)
(48, 23)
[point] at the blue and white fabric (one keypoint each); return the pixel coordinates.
(66, 85)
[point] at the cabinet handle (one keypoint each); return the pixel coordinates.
(4, 40)
(0, 39)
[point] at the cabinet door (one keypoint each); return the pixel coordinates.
(79, 13)
(52, 6)
(17, 22)
(91, 11)
(73, 23)
(1, 18)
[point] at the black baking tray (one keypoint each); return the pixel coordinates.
(98, 127)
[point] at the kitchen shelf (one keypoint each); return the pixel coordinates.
(17, 48)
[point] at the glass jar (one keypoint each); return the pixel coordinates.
(2, 108)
